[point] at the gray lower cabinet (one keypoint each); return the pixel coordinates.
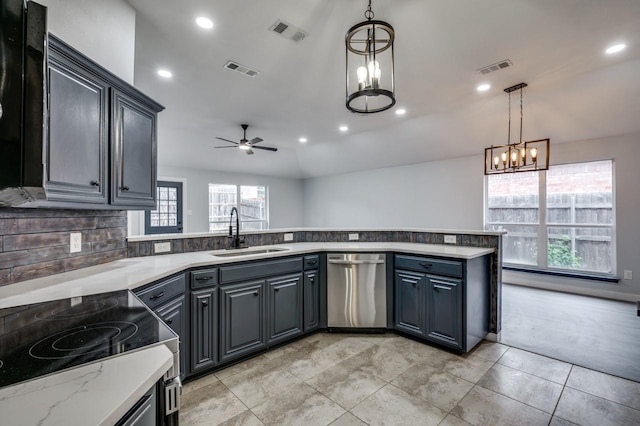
(409, 302)
(174, 315)
(204, 329)
(444, 311)
(242, 319)
(143, 413)
(285, 307)
(311, 303)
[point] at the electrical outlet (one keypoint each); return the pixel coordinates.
(162, 247)
(354, 237)
(628, 275)
(288, 236)
(449, 239)
(75, 242)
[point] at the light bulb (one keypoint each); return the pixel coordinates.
(534, 154)
(244, 147)
(374, 69)
(504, 157)
(514, 157)
(362, 74)
(496, 160)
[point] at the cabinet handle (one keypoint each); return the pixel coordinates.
(256, 293)
(312, 262)
(95, 183)
(204, 278)
(426, 265)
(311, 280)
(439, 287)
(157, 296)
(124, 188)
(205, 302)
(275, 289)
(169, 321)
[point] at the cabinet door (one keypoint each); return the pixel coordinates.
(204, 329)
(409, 301)
(444, 311)
(77, 148)
(285, 307)
(133, 152)
(311, 300)
(173, 314)
(243, 318)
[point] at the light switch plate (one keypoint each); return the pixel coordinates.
(162, 247)
(449, 239)
(288, 236)
(628, 275)
(354, 237)
(75, 242)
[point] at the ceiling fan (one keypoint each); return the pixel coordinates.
(246, 145)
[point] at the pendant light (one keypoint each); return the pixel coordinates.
(370, 66)
(521, 156)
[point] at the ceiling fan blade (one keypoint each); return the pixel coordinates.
(266, 148)
(255, 140)
(227, 140)
(249, 152)
(225, 146)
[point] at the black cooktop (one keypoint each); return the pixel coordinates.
(44, 338)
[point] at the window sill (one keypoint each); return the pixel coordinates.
(579, 275)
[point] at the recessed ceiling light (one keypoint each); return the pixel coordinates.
(483, 87)
(343, 128)
(164, 73)
(401, 111)
(204, 22)
(302, 140)
(615, 48)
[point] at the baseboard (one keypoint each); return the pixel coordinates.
(519, 278)
(493, 337)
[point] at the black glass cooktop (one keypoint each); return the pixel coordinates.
(44, 338)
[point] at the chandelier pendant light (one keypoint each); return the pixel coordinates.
(521, 156)
(370, 66)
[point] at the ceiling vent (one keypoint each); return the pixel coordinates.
(495, 67)
(234, 66)
(288, 31)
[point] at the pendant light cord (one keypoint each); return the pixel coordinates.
(521, 115)
(369, 13)
(509, 132)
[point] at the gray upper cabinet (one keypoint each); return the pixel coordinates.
(285, 307)
(77, 153)
(133, 152)
(242, 319)
(101, 136)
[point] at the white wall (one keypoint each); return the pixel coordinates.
(285, 197)
(103, 30)
(449, 194)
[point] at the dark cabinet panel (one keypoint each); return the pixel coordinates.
(173, 314)
(285, 307)
(77, 149)
(444, 311)
(160, 293)
(409, 302)
(133, 151)
(311, 300)
(243, 319)
(204, 329)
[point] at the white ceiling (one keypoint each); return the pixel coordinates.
(575, 91)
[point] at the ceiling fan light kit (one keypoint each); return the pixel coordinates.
(246, 145)
(370, 82)
(522, 156)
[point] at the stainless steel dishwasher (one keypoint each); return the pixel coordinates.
(356, 290)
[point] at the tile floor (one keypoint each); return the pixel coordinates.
(350, 380)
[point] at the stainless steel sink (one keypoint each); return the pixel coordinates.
(246, 252)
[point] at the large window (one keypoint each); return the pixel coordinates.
(251, 202)
(562, 219)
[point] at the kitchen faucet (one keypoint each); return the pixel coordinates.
(234, 240)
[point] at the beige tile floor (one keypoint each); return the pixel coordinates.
(350, 380)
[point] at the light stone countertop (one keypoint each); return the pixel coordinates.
(91, 394)
(138, 271)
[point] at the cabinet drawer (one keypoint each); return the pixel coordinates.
(249, 271)
(311, 262)
(449, 268)
(204, 278)
(162, 292)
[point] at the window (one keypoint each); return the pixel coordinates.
(167, 217)
(562, 219)
(251, 202)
